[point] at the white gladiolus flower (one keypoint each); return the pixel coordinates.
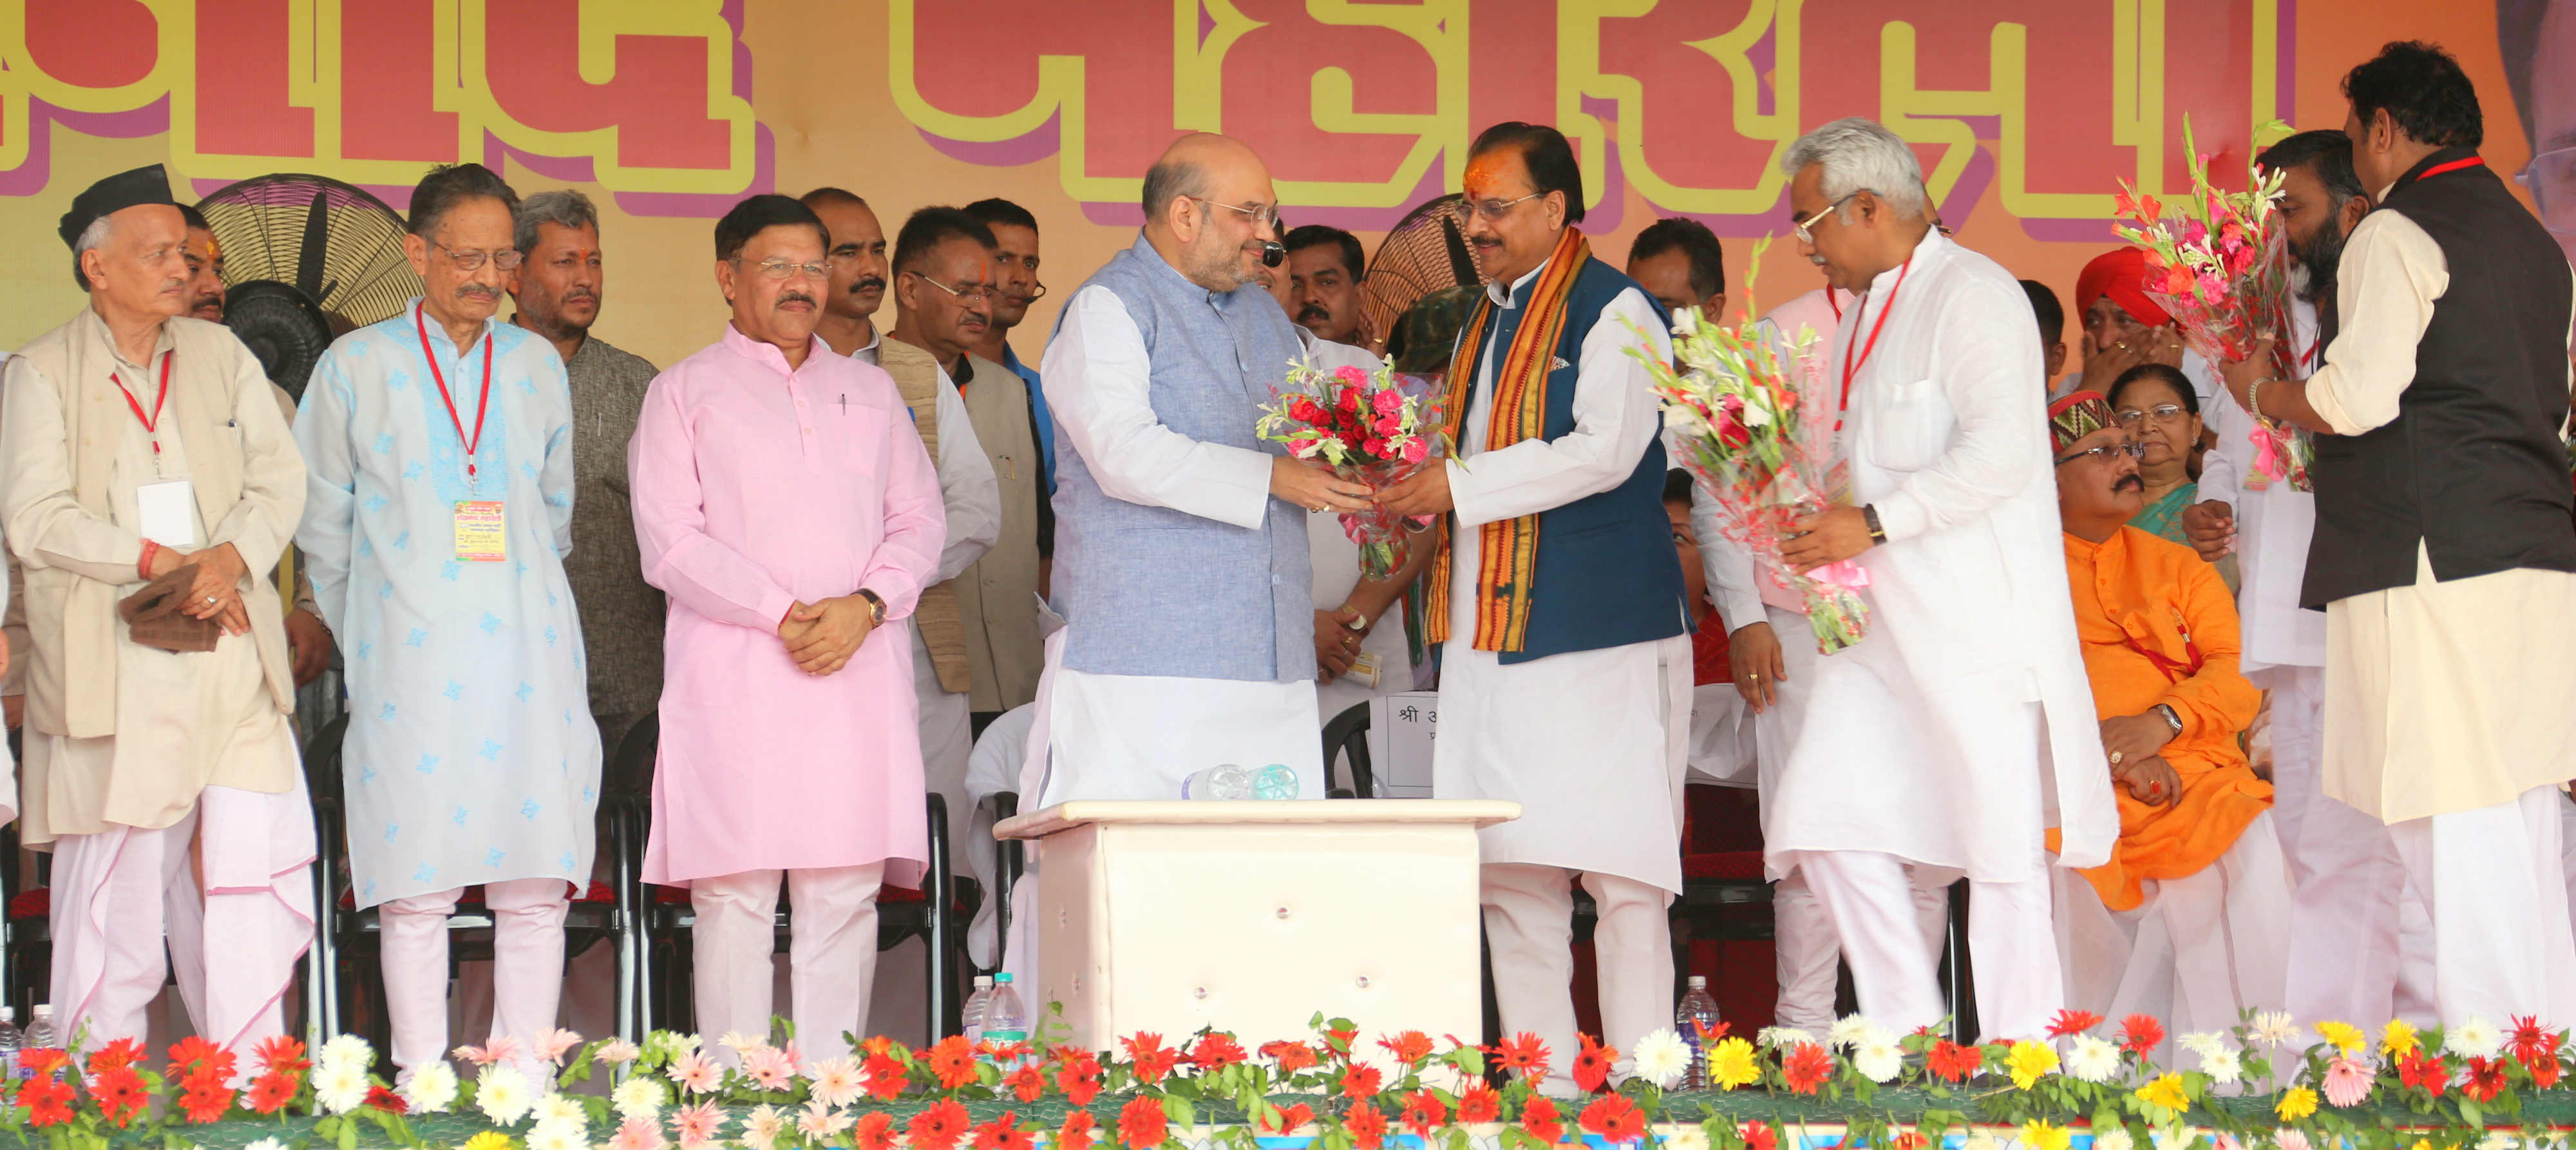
(1756, 415)
(1662, 1058)
(1878, 1055)
(1686, 321)
(432, 1088)
(2092, 1059)
(2476, 1038)
(340, 1087)
(638, 1097)
(503, 1094)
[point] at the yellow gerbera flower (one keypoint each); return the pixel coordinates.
(2029, 1061)
(2296, 1103)
(2343, 1036)
(2165, 1091)
(2038, 1135)
(1733, 1064)
(2398, 1039)
(488, 1140)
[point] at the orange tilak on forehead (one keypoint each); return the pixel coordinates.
(1488, 170)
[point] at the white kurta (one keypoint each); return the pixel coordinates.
(471, 755)
(1917, 741)
(1590, 743)
(2273, 524)
(1337, 571)
(1139, 736)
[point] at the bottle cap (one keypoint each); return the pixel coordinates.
(1003, 976)
(1698, 982)
(983, 980)
(44, 1010)
(8, 1014)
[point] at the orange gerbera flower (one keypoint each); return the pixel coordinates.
(1142, 1124)
(1614, 1119)
(1366, 1127)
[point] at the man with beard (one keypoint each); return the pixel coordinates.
(792, 516)
(1015, 271)
(1324, 268)
(2186, 921)
(2266, 524)
(557, 290)
(307, 640)
(2442, 552)
(440, 448)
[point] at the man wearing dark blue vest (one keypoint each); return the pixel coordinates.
(2443, 554)
(1566, 664)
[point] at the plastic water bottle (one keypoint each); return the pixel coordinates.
(1275, 781)
(40, 1030)
(976, 1006)
(1697, 1010)
(1005, 1018)
(10, 1042)
(1222, 781)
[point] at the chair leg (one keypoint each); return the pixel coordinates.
(1954, 971)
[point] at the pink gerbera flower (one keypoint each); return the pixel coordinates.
(697, 1125)
(2347, 1082)
(770, 1067)
(638, 1134)
(696, 1073)
(836, 1082)
(554, 1046)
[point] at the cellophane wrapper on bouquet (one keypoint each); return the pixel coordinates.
(2224, 261)
(1734, 410)
(1368, 429)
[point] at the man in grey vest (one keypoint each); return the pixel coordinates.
(1181, 564)
(2442, 552)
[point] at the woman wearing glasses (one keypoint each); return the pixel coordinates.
(2155, 405)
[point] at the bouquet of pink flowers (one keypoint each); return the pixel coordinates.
(1734, 411)
(1368, 430)
(2224, 259)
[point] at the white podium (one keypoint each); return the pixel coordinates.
(1251, 916)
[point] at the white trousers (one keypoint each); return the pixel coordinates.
(832, 953)
(2494, 882)
(527, 968)
(2360, 941)
(2199, 950)
(2012, 947)
(1529, 924)
(120, 893)
(1808, 955)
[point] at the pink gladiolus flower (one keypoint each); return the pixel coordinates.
(1389, 402)
(697, 1125)
(638, 1134)
(696, 1073)
(2347, 1082)
(2194, 232)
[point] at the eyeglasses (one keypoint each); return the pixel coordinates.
(1492, 211)
(1802, 227)
(786, 269)
(1265, 216)
(2106, 452)
(2164, 413)
(504, 259)
(2551, 176)
(969, 294)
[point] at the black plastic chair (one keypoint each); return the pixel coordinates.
(1346, 734)
(935, 913)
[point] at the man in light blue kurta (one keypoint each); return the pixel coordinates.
(471, 758)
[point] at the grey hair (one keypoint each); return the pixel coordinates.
(91, 238)
(1859, 154)
(1169, 180)
(566, 209)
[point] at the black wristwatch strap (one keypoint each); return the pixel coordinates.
(876, 607)
(1869, 514)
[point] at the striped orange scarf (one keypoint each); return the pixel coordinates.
(1508, 550)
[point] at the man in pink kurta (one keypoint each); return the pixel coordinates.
(785, 506)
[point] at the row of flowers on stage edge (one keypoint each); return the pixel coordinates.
(2460, 1089)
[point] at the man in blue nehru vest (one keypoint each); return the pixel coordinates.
(2443, 554)
(1181, 557)
(1566, 667)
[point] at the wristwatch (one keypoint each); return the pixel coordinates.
(2171, 719)
(1869, 515)
(876, 613)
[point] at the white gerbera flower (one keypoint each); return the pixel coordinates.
(1662, 1058)
(2499, 1140)
(2092, 1059)
(563, 1110)
(346, 1050)
(1982, 1138)
(432, 1088)
(1782, 1037)
(2275, 1027)
(266, 1144)
(503, 1094)
(2222, 1066)
(2202, 1043)
(1686, 1136)
(558, 1136)
(1847, 1031)
(2476, 1038)
(1878, 1055)
(638, 1097)
(340, 1087)
(2114, 1139)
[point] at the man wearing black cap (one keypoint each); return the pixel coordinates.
(142, 446)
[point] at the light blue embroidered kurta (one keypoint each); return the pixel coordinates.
(471, 756)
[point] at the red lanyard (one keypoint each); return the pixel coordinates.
(480, 404)
(151, 423)
(1851, 366)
